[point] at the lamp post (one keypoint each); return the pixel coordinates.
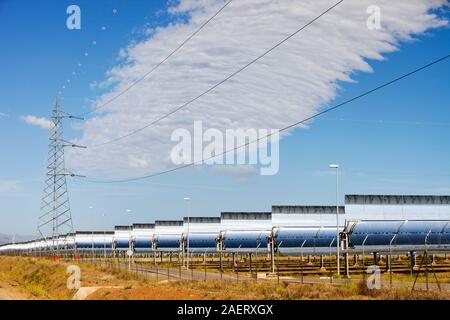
(104, 236)
(188, 225)
(92, 236)
(130, 224)
(336, 167)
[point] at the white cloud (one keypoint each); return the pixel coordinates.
(40, 122)
(135, 162)
(2, 114)
(235, 170)
(292, 82)
(8, 186)
(244, 174)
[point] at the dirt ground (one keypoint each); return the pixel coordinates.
(12, 291)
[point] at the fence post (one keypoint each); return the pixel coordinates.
(301, 263)
(256, 264)
(179, 269)
(250, 263)
(233, 261)
(168, 266)
(204, 259)
(192, 270)
(426, 269)
(272, 256)
(221, 265)
(237, 269)
(157, 273)
(278, 266)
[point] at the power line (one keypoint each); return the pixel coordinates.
(220, 82)
(379, 87)
(384, 122)
(159, 63)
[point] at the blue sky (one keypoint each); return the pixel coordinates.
(406, 154)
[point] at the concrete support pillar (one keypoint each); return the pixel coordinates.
(183, 258)
(412, 262)
(233, 260)
(388, 262)
(322, 265)
(346, 265)
(272, 257)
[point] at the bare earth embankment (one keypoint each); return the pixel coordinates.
(10, 291)
(30, 278)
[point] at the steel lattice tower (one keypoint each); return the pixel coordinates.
(55, 221)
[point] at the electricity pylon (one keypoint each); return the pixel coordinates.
(55, 221)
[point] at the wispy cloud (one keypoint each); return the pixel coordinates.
(244, 174)
(2, 114)
(9, 186)
(40, 122)
(292, 82)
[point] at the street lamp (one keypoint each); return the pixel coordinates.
(92, 236)
(130, 223)
(336, 166)
(104, 235)
(187, 237)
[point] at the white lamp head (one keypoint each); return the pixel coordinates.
(334, 166)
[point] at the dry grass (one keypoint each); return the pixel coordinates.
(38, 277)
(217, 290)
(295, 291)
(46, 279)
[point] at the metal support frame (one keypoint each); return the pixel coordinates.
(55, 221)
(272, 253)
(389, 260)
(301, 259)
